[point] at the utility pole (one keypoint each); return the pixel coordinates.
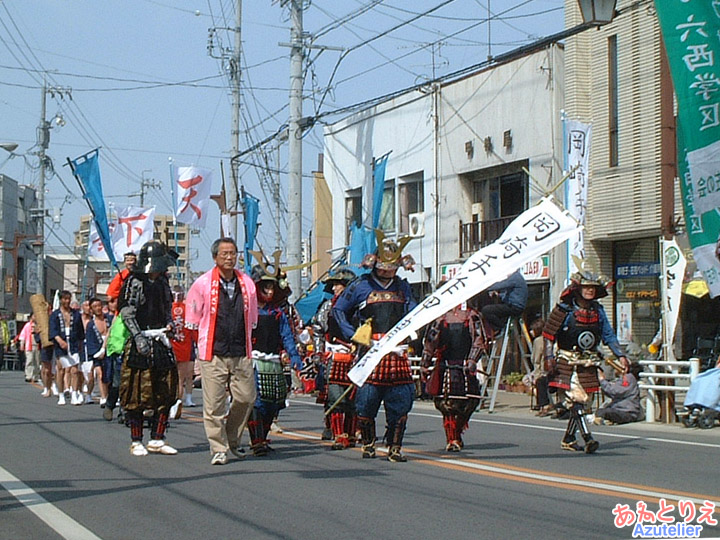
(43, 141)
(232, 56)
(146, 183)
(294, 240)
(277, 202)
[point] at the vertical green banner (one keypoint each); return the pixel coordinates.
(690, 30)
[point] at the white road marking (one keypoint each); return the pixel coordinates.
(57, 520)
(542, 476)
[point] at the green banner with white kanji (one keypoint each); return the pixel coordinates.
(690, 30)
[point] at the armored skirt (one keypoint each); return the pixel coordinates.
(459, 390)
(148, 382)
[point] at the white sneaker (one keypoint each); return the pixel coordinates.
(161, 447)
(61, 399)
(89, 400)
(176, 410)
(103, 401)
(275, 428)
(77, 398)
(45, 393)
(137, 449)
(85, 388)
(54, 389)
(189, 401)
(219, 458)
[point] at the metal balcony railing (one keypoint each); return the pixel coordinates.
(477, 234)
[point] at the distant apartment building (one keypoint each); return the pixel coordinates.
(19, 243)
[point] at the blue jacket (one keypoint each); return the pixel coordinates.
(286, 334)
(93, 339)
(354, 296)
(77, 332)
(513, 290)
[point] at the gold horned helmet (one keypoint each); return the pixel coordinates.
(388, 255)
(265, 270)
(586, 276)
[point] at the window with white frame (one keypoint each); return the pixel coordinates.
(411, 199)
(387, 209)
(353, 211)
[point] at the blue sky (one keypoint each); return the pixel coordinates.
(144, 88)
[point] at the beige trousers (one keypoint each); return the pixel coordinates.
(217, 375)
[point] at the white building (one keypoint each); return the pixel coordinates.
(460, 151)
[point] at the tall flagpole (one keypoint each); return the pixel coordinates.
(174, 216)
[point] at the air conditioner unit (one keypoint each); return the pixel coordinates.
(417, 224)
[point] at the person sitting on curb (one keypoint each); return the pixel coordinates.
(625, 398)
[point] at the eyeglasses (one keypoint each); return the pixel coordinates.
(227, 254)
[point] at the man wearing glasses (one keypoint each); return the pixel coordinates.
(221, 311)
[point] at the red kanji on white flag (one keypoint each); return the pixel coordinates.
(95, 245)
(134, 228)
(193, 195)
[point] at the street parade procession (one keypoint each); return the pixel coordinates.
(247, 339)
(316, 269)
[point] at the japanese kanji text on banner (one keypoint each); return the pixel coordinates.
(194, 186)
(531, 234)
(134, 228)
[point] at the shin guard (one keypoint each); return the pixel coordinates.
(450, 425)
(337, 424)
(367, 430)
(395, 433)
(160, 423)
(350, 427)
(255, 428)
(135, 422)
(582, 425)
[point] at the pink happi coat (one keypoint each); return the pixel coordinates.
(201, 307)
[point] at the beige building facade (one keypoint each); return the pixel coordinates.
(617, 80)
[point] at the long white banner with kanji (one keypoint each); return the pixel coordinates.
(531, 234)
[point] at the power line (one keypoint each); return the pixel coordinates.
(344, 19)
(470, 27)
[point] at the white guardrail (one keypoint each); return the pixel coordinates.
(690, 369)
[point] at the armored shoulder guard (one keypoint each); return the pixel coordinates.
(555, 321)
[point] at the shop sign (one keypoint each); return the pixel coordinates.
(448, 271)
(537, 269)
(631, 270)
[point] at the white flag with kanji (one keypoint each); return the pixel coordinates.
(134, 227)
(194, 186)
(95, 245)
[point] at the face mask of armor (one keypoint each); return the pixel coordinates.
(154, 257)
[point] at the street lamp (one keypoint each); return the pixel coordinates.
(9, 146)
(597, 12)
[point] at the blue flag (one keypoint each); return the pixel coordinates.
(362, 242)
(87, 172)
(251, 207)
(308, 305)
(378, 188)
